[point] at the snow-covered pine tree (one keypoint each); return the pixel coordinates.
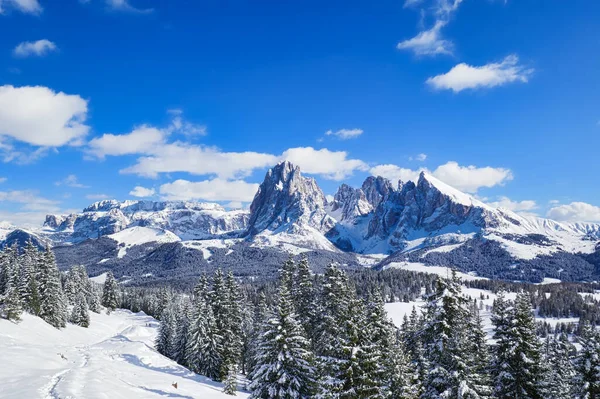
(110, 293)
(72, 285)
(230, 386)
(588, 363)
(94, 303)
(28, 285)
(165, 338)
(444, 338)
(478, 373)
(330, 333)
(527, 351)
(79, 314)
(232, 334)
(11, 305)
(182, 333)
(204, 346)
(52, 302)
(560, 370)
(284, 364)
(304, 297)
(401, 376)
(502, 373)
(202, 288)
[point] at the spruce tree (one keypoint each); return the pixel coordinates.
(204, 344)
(52, 302)
(110, 293)
(478, 355)
(79, 314)
(182, 333)
(11, 305)
(560, 370)
(28, 285)
(165, 338)
(304, 297)
(230, 386)
(94, 303)
(588, 363)
(284, 363)
(502, 372)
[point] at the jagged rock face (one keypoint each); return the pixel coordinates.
(188, 220)
(287, 201)
(423, 207)
(351, 203)
(20, 238)
(376, 189)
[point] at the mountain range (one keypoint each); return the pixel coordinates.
(381, 224)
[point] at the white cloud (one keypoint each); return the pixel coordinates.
(523, 207)
(209, 190)
(25, 6)
(463, 76)
(428, 42)
(199, 160)
(575, 212)
(3, 179)
(333, 165)
(142, 192)
(412, 3)
(97, 197)
(471, 178)
(70, 181)
(345, 134)
(420, 157)
(38, 48)
(395, 173)
(465, 178)
(141, 140)
(124, 6)
(41, 117)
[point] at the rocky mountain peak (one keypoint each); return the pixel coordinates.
(376, 189)
(350, 203)
(286, 200)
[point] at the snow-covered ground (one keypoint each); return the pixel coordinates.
(113, 358)
(439, 270)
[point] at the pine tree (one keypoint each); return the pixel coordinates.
(560, 370)
(588, 363)
(446, 314)
(230, 386)
(79, 314)
(28, 285)
(204, 345)
(182, 334)
(11, 305)
(478, 355)
(110, 293)
(52, 302)
(304, 297)
(165, 338)
(284, 367)
(502, 372)
(94, 303)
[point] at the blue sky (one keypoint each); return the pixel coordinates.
(195, 99)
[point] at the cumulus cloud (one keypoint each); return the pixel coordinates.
(70, 181)
(471, 178)
(465, 178)
(463, 76)
(30, 210)
(420, 157)
(38, 48)
(199, 160)
(125, 6)
(3, 179)
(141, 140)
(575, 212)
(39, 116)
(523, 207)
(24, 6)
(142, 192)
(332, 165)
(345, 134)
(209, 190)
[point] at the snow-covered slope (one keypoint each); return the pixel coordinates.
(113, 358)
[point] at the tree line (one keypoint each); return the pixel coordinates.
(317, 338)
(31, 282)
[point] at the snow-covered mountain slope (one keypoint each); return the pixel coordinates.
(187, 220)
(113, 358)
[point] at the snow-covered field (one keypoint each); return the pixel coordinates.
(113, 358)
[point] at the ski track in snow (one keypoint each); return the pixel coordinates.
(112, 359)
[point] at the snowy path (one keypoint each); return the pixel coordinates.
(112, 359)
